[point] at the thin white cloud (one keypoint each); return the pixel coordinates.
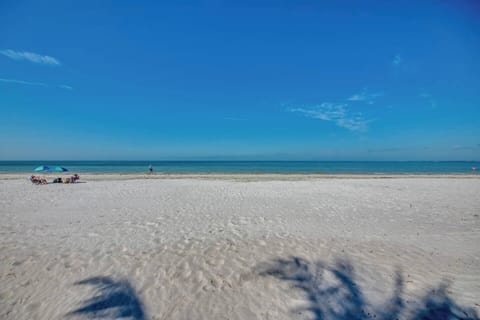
(357, 97)
(28, 83)
(366, 97)
(397, 60)
(431, 101)
(336, 113)
(30, 56)
(461, 147)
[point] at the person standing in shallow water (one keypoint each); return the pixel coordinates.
(150, 169)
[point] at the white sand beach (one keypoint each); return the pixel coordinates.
(240, 247)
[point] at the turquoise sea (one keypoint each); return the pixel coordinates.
(302, 167)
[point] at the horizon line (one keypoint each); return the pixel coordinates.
(230, 160)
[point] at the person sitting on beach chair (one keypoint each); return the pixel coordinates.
(34, 180)
(38, 180)
(74, 178)
(71, 179)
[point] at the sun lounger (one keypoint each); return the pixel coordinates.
(38, 180)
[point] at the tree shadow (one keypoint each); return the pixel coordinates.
(333, 294)
(439, 305)
(112, 300)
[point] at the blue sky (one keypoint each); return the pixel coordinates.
(256, 80)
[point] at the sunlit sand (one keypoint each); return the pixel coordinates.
(241, 247)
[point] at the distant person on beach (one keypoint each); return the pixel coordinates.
(150, 169)
(38, 180)
(74, 178)
(474, 170)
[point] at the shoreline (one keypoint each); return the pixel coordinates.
(240, 176)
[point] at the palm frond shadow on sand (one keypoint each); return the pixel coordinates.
(113, 299)
(333, 294)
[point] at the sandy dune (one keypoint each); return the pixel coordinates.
(189, 248)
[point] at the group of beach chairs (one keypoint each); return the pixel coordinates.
(40, 180)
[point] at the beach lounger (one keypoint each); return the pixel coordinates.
(34, 180)
(38, 180)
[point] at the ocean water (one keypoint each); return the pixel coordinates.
(299, 167)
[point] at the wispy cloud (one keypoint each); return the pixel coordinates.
(30, 56)
(29, 83)
(366, 97)
(397, 60)
(357, 97)
(431, 101)
(336, 113)
(461, 147)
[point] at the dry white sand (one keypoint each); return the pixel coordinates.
(238, 249)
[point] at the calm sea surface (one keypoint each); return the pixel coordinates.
(331, 167)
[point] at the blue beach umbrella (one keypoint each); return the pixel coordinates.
(60, 169)
(42, 169)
